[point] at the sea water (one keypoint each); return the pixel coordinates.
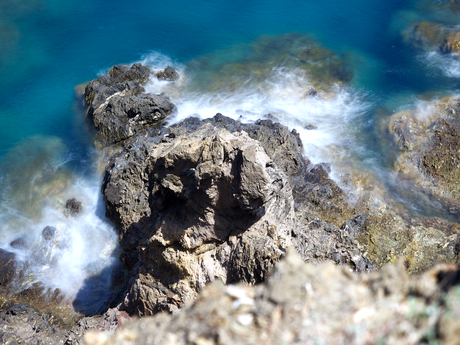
(232, 59)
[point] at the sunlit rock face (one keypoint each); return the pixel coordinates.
(199, 207)
(303, 304)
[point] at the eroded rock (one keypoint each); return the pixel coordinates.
(198, 207)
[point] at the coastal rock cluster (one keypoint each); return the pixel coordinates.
(218, 202)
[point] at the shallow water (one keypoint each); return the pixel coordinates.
(245, 59)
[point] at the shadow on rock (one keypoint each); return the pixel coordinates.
(101, 291)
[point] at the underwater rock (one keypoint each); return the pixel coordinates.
(306, 304)
(425, 35)
(48, 233)
(431, 36)
(119, 106)
(73, 207)
(169, 74)
(288, 54)
(451, 43)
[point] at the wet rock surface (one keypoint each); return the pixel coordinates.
(310, 304)
(425, 156)
(73, 207)
(169, 74)
(118, 105)
(429, 150)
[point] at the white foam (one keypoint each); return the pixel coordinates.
(81, 247)
(448, 64)
(336, 116)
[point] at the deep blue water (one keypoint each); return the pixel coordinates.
(47, 47)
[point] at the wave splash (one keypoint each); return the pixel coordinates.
(327, 118)
(74, 254)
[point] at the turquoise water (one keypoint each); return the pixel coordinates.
(47, 47)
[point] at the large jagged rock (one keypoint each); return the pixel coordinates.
(119, 107)
(310, 304)
(198, 207)
(186, 205)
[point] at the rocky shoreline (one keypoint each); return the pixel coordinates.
(221, 201)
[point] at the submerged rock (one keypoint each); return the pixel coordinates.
(308, 304)
(119, 107)
(73, 207)
(289, 54)
(451, 43)
(431, 36)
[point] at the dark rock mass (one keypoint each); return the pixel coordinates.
(169, 74)
(73, 207)
(119, 107)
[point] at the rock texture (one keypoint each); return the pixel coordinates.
(212, 199)
(429, 150)
(426, 174)
(310, 304)
(118, 105)
(23, 324)
(195, 208)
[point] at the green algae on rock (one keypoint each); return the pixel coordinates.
(291, 53)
